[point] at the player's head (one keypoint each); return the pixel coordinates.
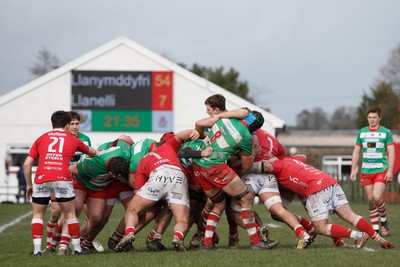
(75, 122)
(118, 166)
(166, 136)
(374, 109)
(254, 120)
(60, 119)
(215, 104)
(374, 115)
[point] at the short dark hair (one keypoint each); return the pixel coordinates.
(74, 115)
(374, 109)
(119, 166)
(60, 118)
(216, 101)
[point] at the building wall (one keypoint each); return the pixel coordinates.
(315, 154)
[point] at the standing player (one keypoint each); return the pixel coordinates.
(52, 225)
(54, 150)
(376, 143)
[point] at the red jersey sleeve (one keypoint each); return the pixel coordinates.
(277, 166)
(174, 143)
(33, 152)
(140, 177)
(81, 146)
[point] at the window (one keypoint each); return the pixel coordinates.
(16, 155)
(338, 166)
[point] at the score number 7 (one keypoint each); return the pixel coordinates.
(163, 98)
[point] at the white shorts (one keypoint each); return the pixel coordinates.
(61, 189)
(326, 201)
(121, 196)
(166, 182)
(261, 182)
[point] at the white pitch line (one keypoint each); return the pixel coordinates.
(273, 225)
(13, 222)
(369, 249)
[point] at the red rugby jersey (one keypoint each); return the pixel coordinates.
(55, 149)
(165, 154)
(270, 146)
(300, 177)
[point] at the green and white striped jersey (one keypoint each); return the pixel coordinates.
(374, 148)
(195, 145)
(226, 137)
(138, 151)
(93, 172)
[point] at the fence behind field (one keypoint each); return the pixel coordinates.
(355, 193)
(10, 194)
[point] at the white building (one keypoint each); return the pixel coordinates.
(25, 112)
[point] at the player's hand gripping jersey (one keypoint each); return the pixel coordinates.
(196, 145)
(93, 172)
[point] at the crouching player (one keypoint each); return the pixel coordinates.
(159, 175)
(324, 195)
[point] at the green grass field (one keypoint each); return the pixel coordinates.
(16, 244)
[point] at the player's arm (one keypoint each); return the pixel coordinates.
(28, 175)
(391, 157)
(239, 113)
(247, 162)
(190, 153)
(74, 169)
(204, 123)
(93, 152)
(126, 138)
(267, 166)
(354, 162)
(187, 135)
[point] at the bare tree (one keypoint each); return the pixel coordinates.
(344, 118)
(45, 62)
(317, 119)
(391, 70)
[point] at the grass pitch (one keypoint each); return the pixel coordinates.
(16, 244)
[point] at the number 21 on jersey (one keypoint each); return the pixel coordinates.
(57, 146)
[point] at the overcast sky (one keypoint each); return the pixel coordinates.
(295, 55)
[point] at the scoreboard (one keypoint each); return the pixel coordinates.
(123, 101)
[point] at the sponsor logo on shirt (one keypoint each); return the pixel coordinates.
(152, 191)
